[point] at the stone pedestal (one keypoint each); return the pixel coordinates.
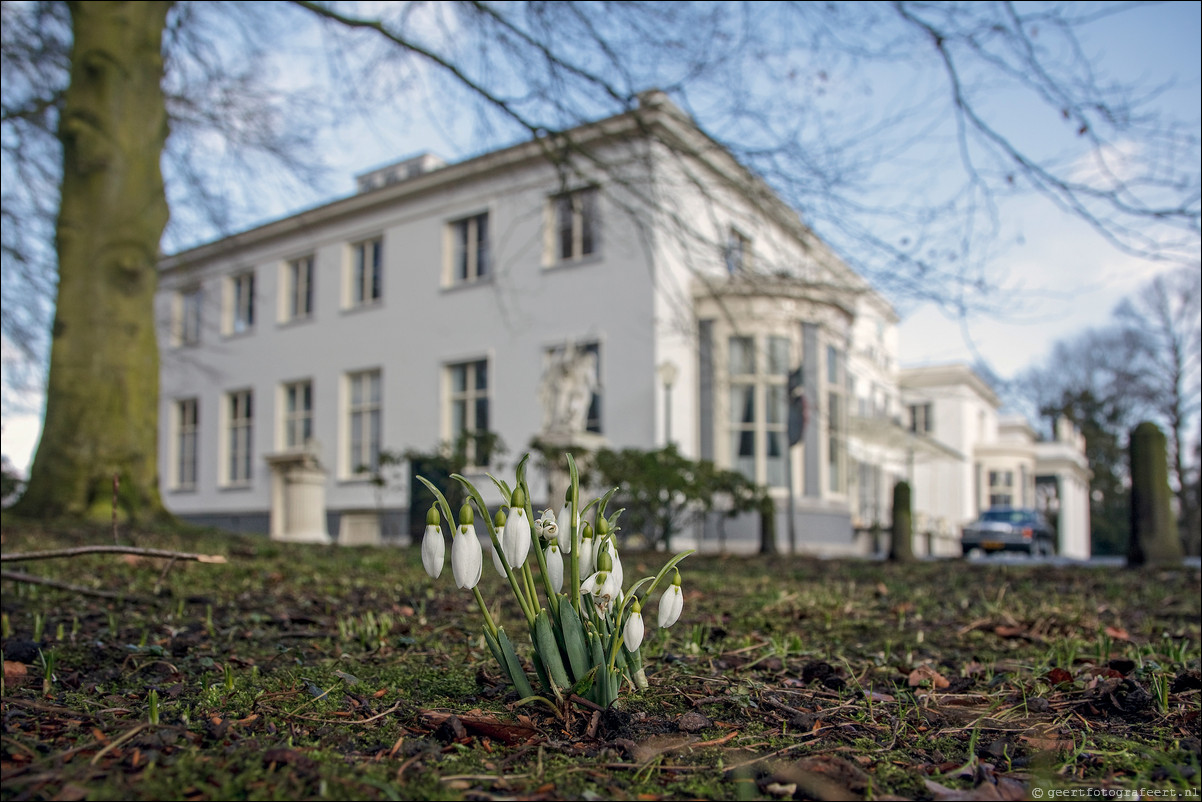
(558, 478)
(298, 498)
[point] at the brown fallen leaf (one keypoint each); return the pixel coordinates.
(15, 672)
(924, 673)
(1058, 676)
(1118, 633)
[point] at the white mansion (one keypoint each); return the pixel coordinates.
(627, 284)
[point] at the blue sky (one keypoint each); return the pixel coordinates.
(1060, 276)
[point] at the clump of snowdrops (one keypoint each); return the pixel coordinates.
(586, 627)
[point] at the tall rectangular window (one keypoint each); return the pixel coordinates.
(366, 273)
(240, 411)
(834, 451)
(468, 409)
(738, 252)
(363, 421)
(1001, 488)
(577, 232)
(921, 418)
(298, 414)
(758, 376)
(298, 286)
(470, 255)
(187, 425)
(190, 305)
(243, 317)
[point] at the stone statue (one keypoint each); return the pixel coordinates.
(567, 388)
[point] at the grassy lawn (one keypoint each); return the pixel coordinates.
(308, 672)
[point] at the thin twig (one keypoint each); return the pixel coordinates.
(73, 552)
(30, 579)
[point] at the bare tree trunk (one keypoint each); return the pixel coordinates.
(102, 394)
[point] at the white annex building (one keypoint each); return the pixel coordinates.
(627, 284)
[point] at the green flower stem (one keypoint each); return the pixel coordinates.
(488, 622)
(573, 521)
(528, 578)
(537, 546)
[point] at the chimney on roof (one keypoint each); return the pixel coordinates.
(400, 171)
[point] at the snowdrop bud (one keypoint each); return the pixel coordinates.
(466, 555)
(585, 557)
(671, 603)
(632, 634)
(564, 525)
(434, 548)
(554, 566)
(516, 542)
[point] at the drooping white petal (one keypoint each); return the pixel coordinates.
(565, 529)
(554, 566)
(516, 542)
(496, 557)
(632, 634)
(466, 557)
(619, 575)
(587, 565)
(434, 550)
(670, 605)
(593, 584)
(610, 590)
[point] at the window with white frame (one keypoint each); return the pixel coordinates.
(187, 427)
(366, 275)
(757, 372)
(577, 225)
(468, 409)
(363, 421)
(922, 421)
(189, 305)
(242, 303)
(239, 442)
(738, 252)
(298, 289)
(469, 249)
(1001, 488)
(298, 414)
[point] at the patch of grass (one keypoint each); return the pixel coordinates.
(303, 672)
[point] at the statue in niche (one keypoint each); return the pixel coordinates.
(566, 390)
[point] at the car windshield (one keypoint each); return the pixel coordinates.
(1005, 516)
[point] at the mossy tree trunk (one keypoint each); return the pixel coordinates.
(102, 393)
(767, 526)
(901, 541)
(1154, 537)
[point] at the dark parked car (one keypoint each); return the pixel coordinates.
(1009, 529)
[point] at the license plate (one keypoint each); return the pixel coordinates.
(992, 545)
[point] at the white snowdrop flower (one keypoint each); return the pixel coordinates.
(632, 633)
(434, 548)
(466, 555)
(554, 561)
(671, 604)
(565, 529)
(516, 542)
